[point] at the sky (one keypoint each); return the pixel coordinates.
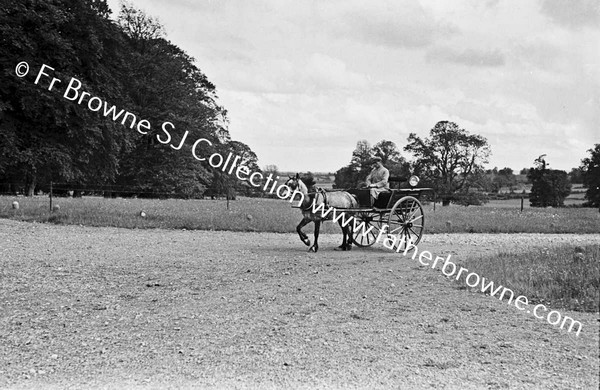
(303, 81)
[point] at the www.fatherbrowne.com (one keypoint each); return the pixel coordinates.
(448, 268)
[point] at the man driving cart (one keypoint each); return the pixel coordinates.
(377, 181)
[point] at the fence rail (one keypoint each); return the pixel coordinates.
(61, 189)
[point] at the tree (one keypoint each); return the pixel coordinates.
(163, 84)
(391, 158)
(449, 159)
(346, 177)
(351, 175)
(247, 158)
(52, 138)
(590, 166)
(361, 157)
(387, 151)
(128, 64)
(550, 187)
(272, 169)
(576, 175)
(138, 25)
(504, 178)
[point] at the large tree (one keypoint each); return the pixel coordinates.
(49, 137)
(360, 165)
(128, 64)
(391, 158)
(450, 159)
(590, 166)
(387, 151)
(164, 85)
(361, 157)
(351, 175)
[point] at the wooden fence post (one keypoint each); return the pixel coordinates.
(522, 203)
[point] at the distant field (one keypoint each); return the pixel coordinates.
(559, 277)
(274, 215)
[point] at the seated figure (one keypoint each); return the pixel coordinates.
(377, 180)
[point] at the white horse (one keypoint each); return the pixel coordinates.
(335, 199)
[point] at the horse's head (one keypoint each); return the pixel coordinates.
(293, 182)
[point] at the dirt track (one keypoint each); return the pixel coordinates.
(114, 308)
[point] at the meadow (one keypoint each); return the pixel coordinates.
(566, 277)
(275, 215)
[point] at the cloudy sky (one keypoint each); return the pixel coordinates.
(304, 80)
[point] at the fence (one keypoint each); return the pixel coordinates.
(63, 190)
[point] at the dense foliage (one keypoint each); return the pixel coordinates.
(550, 187)
(129, 64)
(355, 173)
(590, 166)
(451, 161)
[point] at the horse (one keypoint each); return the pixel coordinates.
(312, 200)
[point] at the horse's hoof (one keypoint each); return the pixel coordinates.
(349, 248)
(313, 249)
(306, 242)
(339, 248)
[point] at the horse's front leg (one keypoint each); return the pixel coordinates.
(315, 246)
(303, 235)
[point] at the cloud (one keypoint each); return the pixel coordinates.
(468, 57)
(393, 24)
(315, 74)
(303, 81)
(324, 72)
(573, 14)
(393, 34)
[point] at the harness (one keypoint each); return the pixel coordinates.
(313, 195)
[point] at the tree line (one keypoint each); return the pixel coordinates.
(129, 62)
(45, 138)
(451, 161)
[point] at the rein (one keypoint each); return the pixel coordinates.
(312, 198)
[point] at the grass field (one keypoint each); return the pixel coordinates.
(567, 277)
(274, 215)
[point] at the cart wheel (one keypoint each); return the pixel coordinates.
(373, 222)
(406, 222)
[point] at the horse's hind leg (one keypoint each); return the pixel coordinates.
(303, 235)
(346, 238)
(349, 234)
(343, 246)
(315, 246)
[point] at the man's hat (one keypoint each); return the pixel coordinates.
(375, 159)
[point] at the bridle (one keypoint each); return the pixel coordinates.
(312, 195)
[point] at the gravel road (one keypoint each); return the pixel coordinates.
(90, 307)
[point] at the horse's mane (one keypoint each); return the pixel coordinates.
(309, 182)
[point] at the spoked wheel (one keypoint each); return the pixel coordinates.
(372, 224)
(406, 222)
